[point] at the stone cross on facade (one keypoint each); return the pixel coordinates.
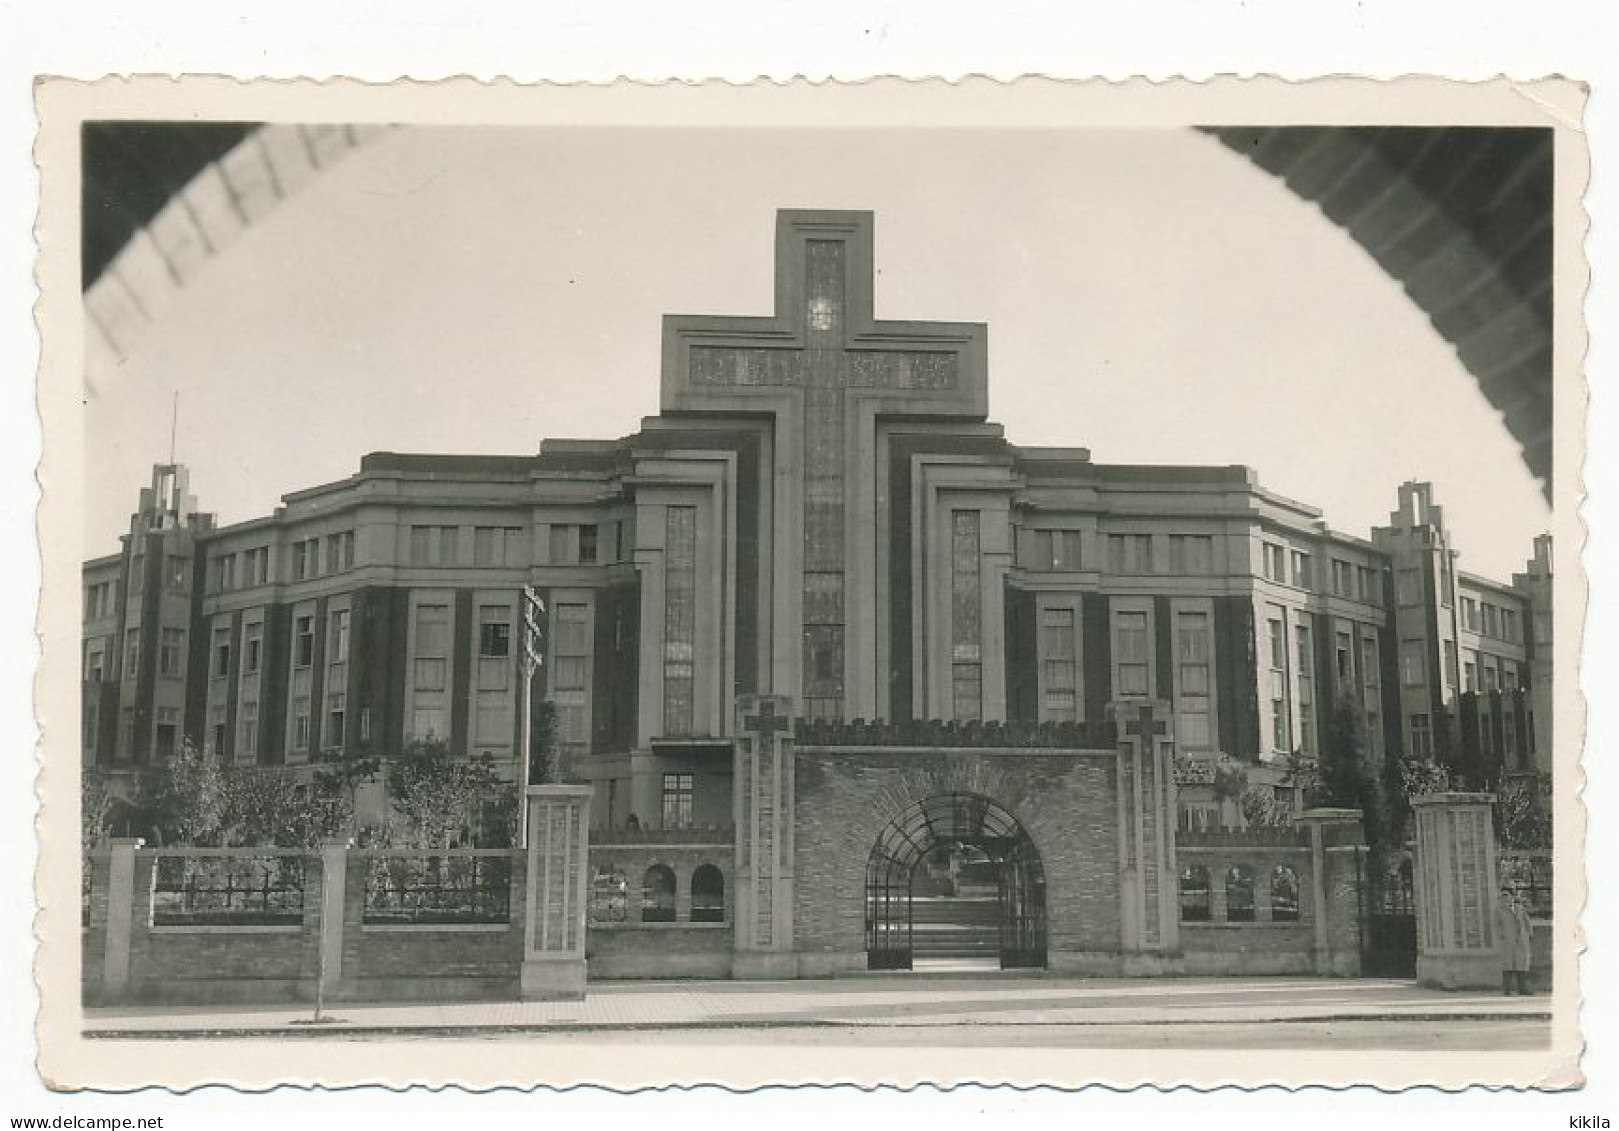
(825, 369)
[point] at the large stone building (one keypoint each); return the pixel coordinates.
(822, 525)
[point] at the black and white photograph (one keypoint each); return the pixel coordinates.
(1088, 594)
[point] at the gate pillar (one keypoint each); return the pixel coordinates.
(763, 784)
(555, 889)
(1456, 891)
(1149, 907)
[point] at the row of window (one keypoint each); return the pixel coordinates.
(1497, 621)
(100, 599)
(308, 562)
(175, 580)
(1352, 580)
(1197, 893)
(610, 896)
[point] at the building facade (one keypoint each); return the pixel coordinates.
(821, 520)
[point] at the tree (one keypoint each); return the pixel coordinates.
(1522, 820)
(1347, 778)
(97, 803)
(186, 798)
(545, 753)
(441, 800)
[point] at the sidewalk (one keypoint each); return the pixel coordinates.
(898, 1001)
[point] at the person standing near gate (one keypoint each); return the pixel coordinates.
(1512, 934)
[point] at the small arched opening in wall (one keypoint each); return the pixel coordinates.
(955, 881)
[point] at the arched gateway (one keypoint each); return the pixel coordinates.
(955, 877)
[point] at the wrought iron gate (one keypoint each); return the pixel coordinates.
(1388, 938)
(969, 820)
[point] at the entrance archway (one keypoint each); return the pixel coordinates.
(955, 878)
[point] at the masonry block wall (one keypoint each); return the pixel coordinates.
(1065, 801)
(633, 948)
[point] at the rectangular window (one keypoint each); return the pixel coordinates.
(1469, 614)
(496, 546)
(1055, 550)
(1275, 558)
(679, 619)
(571, 650)
(432, 649)
(494, 631)
(1193, 684)
(1343, 578)
(1509, 625)
(1470, 674)
(427, 724)
(1129, 553)
(336, 717)
(1191, 553)
(1345, 656)
(1369, 587)
(1059, 668)
(247, 746)
(337, 647)
(1452, 667)
(132, 652)
(1492, 621)
(1421, 737)
(1131, 663)
(252, 648)
(1301, 569)
(303, 641)
(1447, 585)
(587, 544)
(967, 617)
(1372, 689)
(221, 668)
(365, 725)
(176, 574)
(1413, 663)
(166, 732)
(1304, 656)
(300, 725)
(170, 646)
(1492, 675)
(562, 544)
(679, 793)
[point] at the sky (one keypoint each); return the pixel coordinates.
(1149, 295)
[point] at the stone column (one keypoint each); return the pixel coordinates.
(1149, 912)
(120, 916)
(1456, 891)
(1344, 824)
(555, 893)
(763, 782)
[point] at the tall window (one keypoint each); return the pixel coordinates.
(1275, 559)
(303, 641)
(1369, 587)
(1284, 894)
(1453, 675)
(1421, 737)
(1196, 906)
(707, 895)
(132, 652)
(679, 619)
(1305, 651)
(494, 646)
(1129, 553)
(1276, 635)
(247, 746)
(1343, 578)
(336, 719)
(966, 616)
(571, 691)
(587, 543)
(497, 546)
(1470, 614)
(166, 732)
(1371, 666)
(337, 647)
(1059, 669)
(252, 649)
(435, 545)
(432, 648)
(1130, 651)
(1193, 686)
(679, 795)
(1301, 569)
(221, 657)
(300, 725)
(1239, 894)
(1413, 663)
(170, 648)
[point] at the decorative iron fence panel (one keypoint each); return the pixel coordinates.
(454, 888)
(227, 891)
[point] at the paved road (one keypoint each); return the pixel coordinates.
(918, 1010)
(1391, 1036)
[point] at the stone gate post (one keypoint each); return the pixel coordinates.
(1335, 888)
(121, 911)
(1456, 891)
(763, 782)
(556, 889)
(1148, 873)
